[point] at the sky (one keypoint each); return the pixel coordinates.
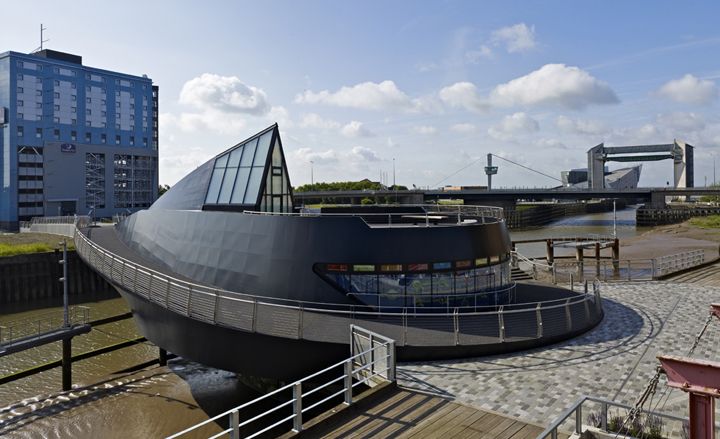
(430, 88)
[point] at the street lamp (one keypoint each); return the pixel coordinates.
(312, 178)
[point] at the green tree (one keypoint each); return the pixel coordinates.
(162, 189)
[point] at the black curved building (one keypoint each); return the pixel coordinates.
(223, 270)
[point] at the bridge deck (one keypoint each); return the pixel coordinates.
(408, 414)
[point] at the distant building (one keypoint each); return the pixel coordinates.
(74, 139)
(624, 178)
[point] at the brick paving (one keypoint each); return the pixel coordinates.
(615, 360)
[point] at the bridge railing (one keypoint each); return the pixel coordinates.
(330, 322)
(371, 361)
(47, 322)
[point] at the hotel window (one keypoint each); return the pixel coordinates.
(88, 100)
(19, 76)
(88, 123)
(73, 135)
(103, 113)
(20, 64)
(57, 83)
(103, 102)
(56, 95)
(38, 93)
(56, 107)
(20, 90)
(73, 121)
(88, 137)
(56, 134)
(132, 140)
(56, 119)
(88, 88)
(88, 112)
(38, 105)
(20, 131)
(38, 133)
(144, 141)
(20, 103)
(132, 127)
(72, 85)
(117, 140)
(38, 80)
(103, 138)
(73, 98)
(132, 106)
(73, 110)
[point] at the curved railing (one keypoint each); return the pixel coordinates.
(331, 322)
(427, 214)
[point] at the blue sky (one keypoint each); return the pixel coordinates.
(434, 85)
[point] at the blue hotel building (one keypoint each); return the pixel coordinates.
(74, 139)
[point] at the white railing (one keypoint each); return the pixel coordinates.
(372, 360)
(328, 322)
(625, 269)
(600, 417)
(665, 265)
(534, 267)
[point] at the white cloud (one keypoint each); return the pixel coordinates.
(463, 95)
(356, 129)
(425, 130)
(686, 122)
(554, 84)
(578, 126)
(463, 128)
(226, 94)
(314, 120)
(367, 95)
(475, 56)
(513, 125)
(364, 154)
(690, 90)
(304, 155)
(516, 38)
(550, 144)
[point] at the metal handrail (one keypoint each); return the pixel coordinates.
(238, 311)
(497, 212)
(47, 322)
(378, 343)
(576, 409)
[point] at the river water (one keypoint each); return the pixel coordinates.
(94, 369)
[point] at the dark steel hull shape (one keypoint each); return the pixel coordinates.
(221, 270)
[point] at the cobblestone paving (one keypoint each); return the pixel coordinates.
(615, 360)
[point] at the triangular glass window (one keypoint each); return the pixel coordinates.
(251, 176)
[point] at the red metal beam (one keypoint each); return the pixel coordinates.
(701, 379)
(715, 309)
(691, 375)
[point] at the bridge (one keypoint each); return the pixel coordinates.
(654, 196)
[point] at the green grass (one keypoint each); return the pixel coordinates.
(12, 244)
(706, 222)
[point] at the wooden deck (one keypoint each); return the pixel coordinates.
(402, 413)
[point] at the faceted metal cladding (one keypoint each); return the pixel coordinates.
(222, 259)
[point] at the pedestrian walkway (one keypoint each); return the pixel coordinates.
(615, 360)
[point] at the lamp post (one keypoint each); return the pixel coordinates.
(312, 178)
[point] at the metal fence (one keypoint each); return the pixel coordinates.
(51, 321)
(625, 269)
(372, 360)
(330, 322)
(588, 413)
